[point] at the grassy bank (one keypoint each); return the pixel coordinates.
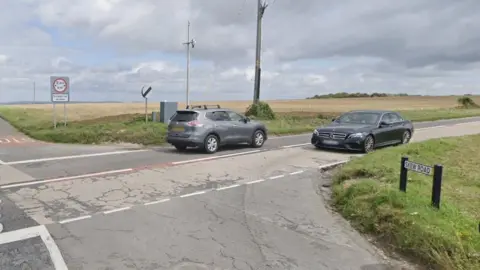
(366, 192)
(37, 123)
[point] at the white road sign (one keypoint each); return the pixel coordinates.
(60, 89)
(417, 167)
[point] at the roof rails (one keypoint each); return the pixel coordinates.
(205, 107)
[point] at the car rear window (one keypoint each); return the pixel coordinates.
(184, 116)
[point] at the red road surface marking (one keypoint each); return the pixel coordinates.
(17, 141)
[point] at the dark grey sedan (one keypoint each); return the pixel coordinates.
(364, 131)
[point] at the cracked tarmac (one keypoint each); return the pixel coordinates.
(270, 225)
(58, 201)
(275, 224)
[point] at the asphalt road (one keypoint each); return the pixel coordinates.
(259, 210)
(48, 161)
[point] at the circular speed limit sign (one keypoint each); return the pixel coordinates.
(60, 85)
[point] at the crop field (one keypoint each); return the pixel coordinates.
(302, 106)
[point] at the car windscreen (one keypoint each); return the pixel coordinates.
(184, 116)
(367, 118)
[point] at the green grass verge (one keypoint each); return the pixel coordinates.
(366, 192)
(37, 124)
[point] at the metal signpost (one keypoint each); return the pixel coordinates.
(406, 165)
(145, 96)
(60, 93)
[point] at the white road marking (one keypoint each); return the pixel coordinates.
(116, 210)
(333, 164)
(427, 128)
(2, 162)
(75, 156)
(276, 177)
(193, 194)
(157, 202)
(31, 232)
(295, 145)
(65, 178)
(214, 157)
(297, 172)
(254, 182)
(289, 136)
(228, 187)
(74, 219)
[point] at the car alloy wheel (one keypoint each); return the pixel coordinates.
(406, 137)
(211, 144)
(368, 144)
(258, 138)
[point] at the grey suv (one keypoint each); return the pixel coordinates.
(210, 128)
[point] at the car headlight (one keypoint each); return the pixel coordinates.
(357, 135)
(315, 132)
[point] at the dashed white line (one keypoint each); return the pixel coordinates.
(74, 219)
(254, 182)
(228, 187)
(193, 194)
(276, 177)
(157, 202)
(116, 210)
(297, 172)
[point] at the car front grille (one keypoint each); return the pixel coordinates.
(337, 136)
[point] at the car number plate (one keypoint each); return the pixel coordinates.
(178, 129)
(330, 142)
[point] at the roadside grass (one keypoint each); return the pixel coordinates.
(366, 191)
(130, 128)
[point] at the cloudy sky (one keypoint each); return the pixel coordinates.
(110, 48)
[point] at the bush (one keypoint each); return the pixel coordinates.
(467, 102)
(260, 110)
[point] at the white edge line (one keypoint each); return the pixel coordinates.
(74, 219)
(116, 210)
(214, 157)
(254, 182)
(295, 145)
(297, 172)
(55, 254)
(333, 164)
(276, 176)
(66, 178)
(288, 136)
(75, 156)
(228, 187)
(157, 202)
(193, 194)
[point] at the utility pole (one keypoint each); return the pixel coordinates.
(190, 42)
(34, 90)
(260, 10)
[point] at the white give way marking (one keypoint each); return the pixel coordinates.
(32, 232)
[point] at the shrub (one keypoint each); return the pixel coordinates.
(467, 102)
(260, 110)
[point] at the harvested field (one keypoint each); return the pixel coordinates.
(301, 106)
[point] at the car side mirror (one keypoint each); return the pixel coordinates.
(383, 124)
(333, 120)
(246, 120)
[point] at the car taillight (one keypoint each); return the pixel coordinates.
(194, 123)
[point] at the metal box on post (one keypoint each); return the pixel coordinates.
(167, 110)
